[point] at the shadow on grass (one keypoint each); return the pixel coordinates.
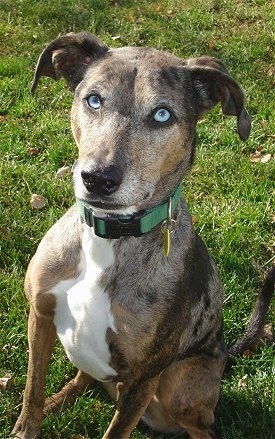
(239, 417)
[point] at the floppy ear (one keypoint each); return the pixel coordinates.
(213, 84)
(68, 56)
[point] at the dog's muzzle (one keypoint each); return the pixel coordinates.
(103, 180)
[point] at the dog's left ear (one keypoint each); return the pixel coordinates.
(68, 56)
(213, 84)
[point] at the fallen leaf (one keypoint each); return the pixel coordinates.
(6, 381)
(212, 43)
(65, 170)
(37, 201)
(268, 333)
(243, 382)
(248, 353)
(256, 156)
(271, 71)
(265, 158)
(116, 37)
(33, 151)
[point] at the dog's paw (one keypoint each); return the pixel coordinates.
(24, 430)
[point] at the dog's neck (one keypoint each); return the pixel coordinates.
(113, 226)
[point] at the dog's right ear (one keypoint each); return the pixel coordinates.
(68, 56)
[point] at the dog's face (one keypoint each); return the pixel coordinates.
(134, 116)
(132, 127)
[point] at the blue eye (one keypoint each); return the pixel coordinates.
(162, 115)
(94, 102)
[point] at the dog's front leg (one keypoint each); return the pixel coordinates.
(132, 402)
(42, 334)
(68, 393)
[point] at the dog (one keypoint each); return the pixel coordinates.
(123, 278)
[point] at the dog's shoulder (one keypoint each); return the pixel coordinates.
(58, 254)
(64, 234)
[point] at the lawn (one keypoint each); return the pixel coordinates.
(230, 190)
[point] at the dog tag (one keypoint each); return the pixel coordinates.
(167, 227)
(166, 242)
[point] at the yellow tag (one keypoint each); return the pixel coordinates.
(166, 242)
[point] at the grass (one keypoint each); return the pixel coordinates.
(230, 197)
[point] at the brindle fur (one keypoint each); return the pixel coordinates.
(168, 348)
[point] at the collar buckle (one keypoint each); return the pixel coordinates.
(115, 227)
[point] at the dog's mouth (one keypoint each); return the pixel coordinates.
(105, 206)
(122, 204)
(102, 207)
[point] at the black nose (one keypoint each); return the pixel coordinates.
(103, 181)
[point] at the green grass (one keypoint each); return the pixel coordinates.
(230, 197)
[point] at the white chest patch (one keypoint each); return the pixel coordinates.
(82, 314)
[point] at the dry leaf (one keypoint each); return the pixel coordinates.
(248, 353)
(256, 156)
(243, 382)
(6, 381)
(33, 151)
(265, 158)
(37, 201)
(212, 43)
(268, 333)
(65, 170)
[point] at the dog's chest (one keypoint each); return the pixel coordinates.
(83, 315)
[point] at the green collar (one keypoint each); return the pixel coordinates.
(114, 226)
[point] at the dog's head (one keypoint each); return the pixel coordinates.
(134, 116)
